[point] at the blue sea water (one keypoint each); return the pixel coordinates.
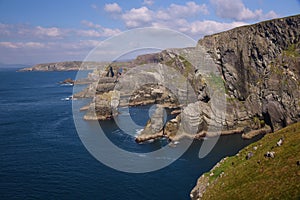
(42, 156)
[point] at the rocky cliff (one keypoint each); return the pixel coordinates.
(245, 81)
(260, 69)
(260, 65)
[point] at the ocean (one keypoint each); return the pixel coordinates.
(42, 156)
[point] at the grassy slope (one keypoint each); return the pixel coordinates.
(260, 177)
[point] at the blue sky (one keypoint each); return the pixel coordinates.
(35, 31)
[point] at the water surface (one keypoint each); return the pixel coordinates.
(42, 157)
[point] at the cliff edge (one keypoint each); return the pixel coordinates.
(257, 65)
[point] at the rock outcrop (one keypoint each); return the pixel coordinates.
(67, 81)
(244, 81)
(155, 126)
(141, 86)
(260, 67)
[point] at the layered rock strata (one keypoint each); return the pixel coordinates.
(244, 81)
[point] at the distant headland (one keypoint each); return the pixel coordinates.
(64, 66)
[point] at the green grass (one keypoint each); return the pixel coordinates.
(231, 99)
(259, 122)
(291, 51)
(275, 69)
(169, 63)
(216, 83)
(188, 67)
(260, 177)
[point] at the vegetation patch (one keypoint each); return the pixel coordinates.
(253, 174)
(292, 51)
(215, 81)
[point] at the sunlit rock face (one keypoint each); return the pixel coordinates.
(238, 81)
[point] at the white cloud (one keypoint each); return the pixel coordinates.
(236, 10)
(177, 17)
(48, 32)
(36, 45)
(17, 45)
(10, 45)
(112, 8)
(90, 24)
(137, 17)
(97, 30)
(88, 33)
(27, 31)
(271, 15)
(89, 43)
(4, 29)
(107, 32)
(198, 28)
(81, 44)
(189, 9)
(148, 2)
(162, 15)
(144, 16)
(175, 11)
(208, 27)
(104, 32)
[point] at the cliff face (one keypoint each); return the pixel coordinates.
(260, 65)
(260, 68)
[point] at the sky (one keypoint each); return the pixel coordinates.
(37, 31)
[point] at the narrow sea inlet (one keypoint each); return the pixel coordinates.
(42, 156)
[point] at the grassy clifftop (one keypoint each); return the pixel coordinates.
(259, 176)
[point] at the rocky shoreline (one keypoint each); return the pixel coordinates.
(253, 90)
